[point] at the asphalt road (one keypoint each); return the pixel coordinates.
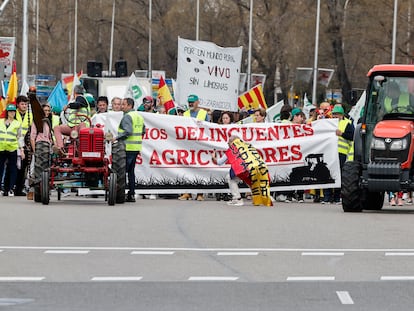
(81, 254)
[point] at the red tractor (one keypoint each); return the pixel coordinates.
(383, 140)
(85, 164)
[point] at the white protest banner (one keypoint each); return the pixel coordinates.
(176, 154)
(210, 72)
(6, 54)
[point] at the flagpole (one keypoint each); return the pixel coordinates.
(25, 42)
(150, 39)
(249, 57)
(198, 20)
(112, 39)
(315, 64)
(75, 44)
(394, 31)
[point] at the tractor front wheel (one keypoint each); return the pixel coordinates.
(350, 191)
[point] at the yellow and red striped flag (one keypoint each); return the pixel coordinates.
(164, 95)
(253, 99)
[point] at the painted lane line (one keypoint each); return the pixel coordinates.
(152, 253)
(13, 301)
(80, 252)
(398, 254)
(397, 278)
(116, 278)
(213, 278)
(237, 253)
(323, 254)
(310, 278)
(1, 250)
(345, 298)
(21, 278)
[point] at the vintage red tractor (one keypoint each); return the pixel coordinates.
(85, 164)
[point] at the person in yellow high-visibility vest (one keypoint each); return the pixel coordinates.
(131, 130)
(10, 132)
(345, 133)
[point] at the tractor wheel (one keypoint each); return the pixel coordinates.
(350, 191)
(44, 187)
(112, 189)
(119, 168)
(42, 162)
(374, 201)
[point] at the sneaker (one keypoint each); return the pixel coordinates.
(301, 201)
(11, 193)
(236, 202)
(409, 201)
(185, 196)
(152, 197)
(200, 197)
(130, 199)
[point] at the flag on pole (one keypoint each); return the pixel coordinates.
(164, 95)
(57, 99)
(253, 99)
(136, 91)
(307, 106)
(68, 82)
(12, 87)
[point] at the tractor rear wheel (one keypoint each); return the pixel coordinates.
(350, 191)
(119, 168)
(42, 161)
(44, 187)
(112, 189)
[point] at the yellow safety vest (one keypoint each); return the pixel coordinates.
(343, 144)
(403, 103)
(201, 114)
(134, 141)
(25, 122)
(8, 135)
(55, 121)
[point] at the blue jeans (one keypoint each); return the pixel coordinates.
(11, 157)
(131, 157)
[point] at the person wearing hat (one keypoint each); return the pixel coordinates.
(147, 105)
(200, 114)
(194, 110)
(74, 122)
(345, 133)
(10, 142)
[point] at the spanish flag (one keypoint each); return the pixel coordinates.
(250, 167)
(253, 99)
(164, 95)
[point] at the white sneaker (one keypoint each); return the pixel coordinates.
(152, 197)
(11, 193)
(236, 202)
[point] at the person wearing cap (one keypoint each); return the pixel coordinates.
(73, 121)
(147, 105)
(10, 142)
(194, 110)
(345, 133)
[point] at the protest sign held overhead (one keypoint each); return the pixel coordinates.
(210, 71)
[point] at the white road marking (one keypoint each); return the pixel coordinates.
(56, 251)
(116, 278)
(399, 254)
(152, 253)
(237, 253)
(13, 301)
(213, 278)
(397, 278)
(345, 298)
(310, 278)
(323, 254)
(21, 278)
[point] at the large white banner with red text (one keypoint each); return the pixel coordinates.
(176, 154)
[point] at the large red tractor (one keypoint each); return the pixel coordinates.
(85, 164)
(383, 140)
